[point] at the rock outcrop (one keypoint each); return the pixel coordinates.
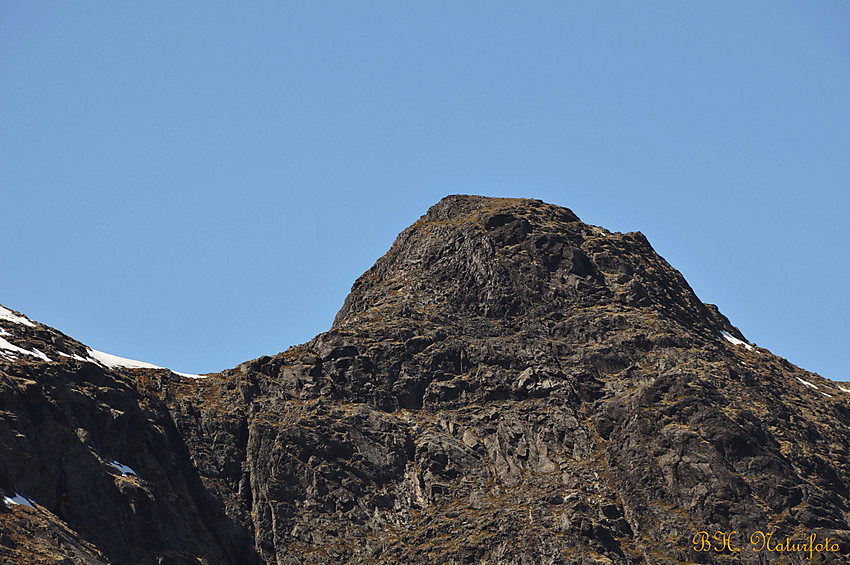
(506, 385)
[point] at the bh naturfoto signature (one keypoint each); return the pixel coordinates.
(762, 541)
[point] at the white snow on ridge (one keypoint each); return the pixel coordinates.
(18, 499)
(77, 357)
(188, 375)
(12, 352)
(734, 340)
(6, 314)
(807, 383)
(121, 468)
(14, 348)
(111, 361)
(38, 353)
(844, 389)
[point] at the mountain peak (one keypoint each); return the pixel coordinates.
(492, 209)
(504, 259)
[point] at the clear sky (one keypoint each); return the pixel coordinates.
(195, 184)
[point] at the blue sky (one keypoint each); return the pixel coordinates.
(195, 184)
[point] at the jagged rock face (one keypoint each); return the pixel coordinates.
(100, 472)
(514, 262)
(505, 385)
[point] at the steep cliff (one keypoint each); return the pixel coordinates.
(506, 385)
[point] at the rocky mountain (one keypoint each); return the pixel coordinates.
(506, 385)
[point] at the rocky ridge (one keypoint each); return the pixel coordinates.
(506, 385)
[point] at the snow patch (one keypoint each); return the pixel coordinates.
(734, 340)
(40, 354)
(75, 356)
(844, 389)
(188, 376)
(826, 395)
(112, 361)
(14, 348)
(19, 500)
(121, 468)
(6, 314)
(807, 383)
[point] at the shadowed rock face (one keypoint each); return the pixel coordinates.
(505, 385)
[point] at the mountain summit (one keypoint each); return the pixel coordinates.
(503, 258)
(505, 385)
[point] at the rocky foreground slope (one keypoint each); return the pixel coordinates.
(506, 385)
